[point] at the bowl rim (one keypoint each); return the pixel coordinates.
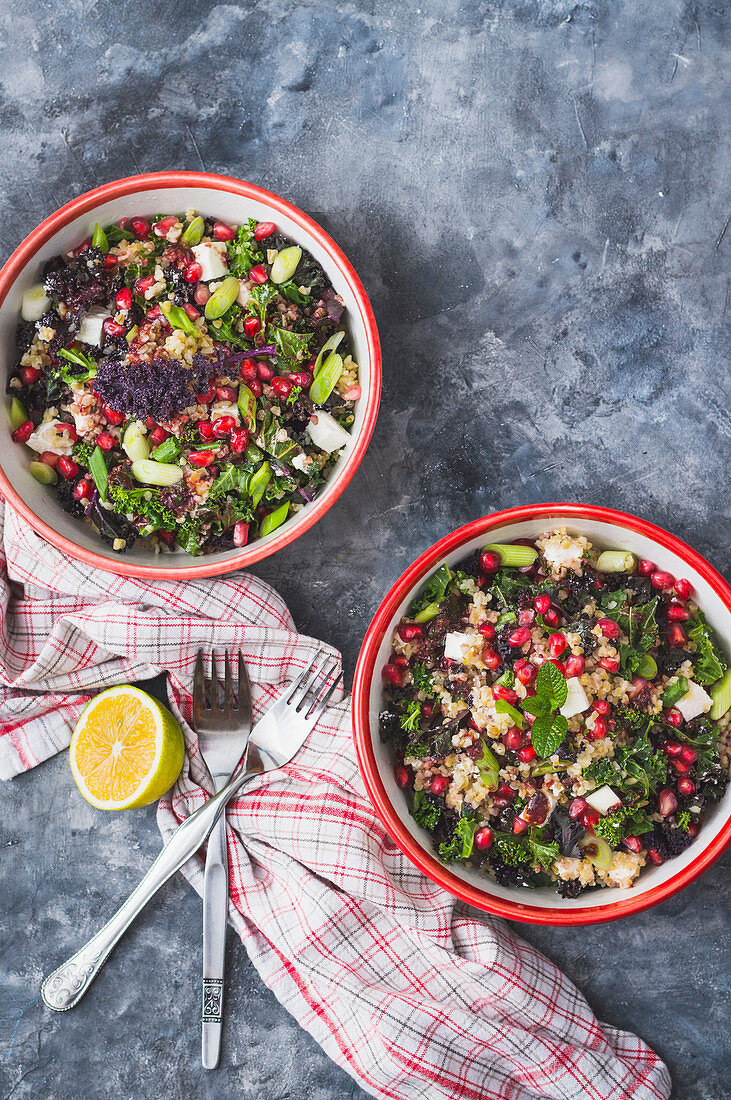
(363, 680)
(130, 185)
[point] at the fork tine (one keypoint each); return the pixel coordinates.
(243, 687)
(214, 684)
(229, 703)
(289, 693)
(314, 715)
(298, 700)
(323, 678)
(199, 687)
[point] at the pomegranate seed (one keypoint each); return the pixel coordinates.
(483, 838)
(633, 843)
(672, 748)
(124, 299)
(526, 616)
(542, 604)
(265, 372)
(655, 857)
(140, 227)
(439, 784)
(82, 489)
(556, 645)
(575, 667)
(682, 767)
(401, 774)
(281, 386)
(667, 803)
(598, 730)
(489, 562)
(673, 717)
(393, 674)
(520, 825)
(611, 664)
(202, 294)
(247, 371)
(241, 533)
(676, 636)
(513, 739)
(70, 431)
(506, 791)
(577, 808)
(688, 754)
(255, 387)
(519, 637)
(143, 284)
(158, 435)
(609, 628)
(67, 467)
(207, 397)
(153, 313)
(427, 709)
(676, 613)
(302, 378)
(686, 787)
(201, 458)
(223, 426)
(226, 393)
(163, 227)
(29, 375)
(661, 579)
(239, 440)
(601, 706)
(113, 328)
(105, 441)
(115, 418)
(23, 433)
(694, 828)
(487, 630)
(409, 631)
(491, 659)
(683, 588)
(645, 567)
(258, 274)
(552, 617)
(263, 230)
(205, 430)
(50, 458)
(252, 326)
(223, 232)
(638, 685)
(192, 272)
(82, 247)
(192, 312)
(526, 754)
(526, 672)
(590, 817)
(499, 691)
(110, 261)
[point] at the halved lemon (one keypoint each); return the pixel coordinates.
(126, 750)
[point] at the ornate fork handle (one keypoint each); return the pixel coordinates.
(65, 987)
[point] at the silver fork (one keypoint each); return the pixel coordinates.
(275, 739)
(219, 741)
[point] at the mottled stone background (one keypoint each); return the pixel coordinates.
(533, 195)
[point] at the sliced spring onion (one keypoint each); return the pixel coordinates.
(132, 333)
(98, 470)
(223, 298)
(427, 613)
(274, 519)
(193, 232)
(167, 451)
(720, 693)
(99, 239)
(247, 407)
(616, 561)
(325, 382)
(46, 475)
(135, 443)
(329, 345)
(18, 413)
(647, 667)
(179, 319)
(156, 473)
(259, 481)
(489, 768)
(507, 679)
(285, 264)
(547, 767)
(502, 706)
(516, 556)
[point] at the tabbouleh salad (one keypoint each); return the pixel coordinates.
(559, 716)
(183, 380)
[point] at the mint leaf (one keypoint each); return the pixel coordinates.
(548, 732)
(536, 704)
(552, 683)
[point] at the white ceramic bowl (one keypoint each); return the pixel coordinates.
(230, 200)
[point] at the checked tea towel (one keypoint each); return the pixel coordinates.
(406, 989)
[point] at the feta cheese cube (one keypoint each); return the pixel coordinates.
(90, 329)
(327, 434)
(213, 258)
(454, 643)
(576, 698)
(603, 800)
(695, 701)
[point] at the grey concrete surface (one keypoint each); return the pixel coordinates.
(533, 195)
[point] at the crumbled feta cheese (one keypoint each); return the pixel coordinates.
(224, 408)
(695, 701)
(327, 434)
(244, 293)
(603, 800)
(576, 698)
(213, 258)
(302, 462)
(35, 303)
(453, 644)
(90, 329)
(51, 435)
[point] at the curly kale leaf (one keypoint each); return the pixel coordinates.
(542, 852)
(433, 592)
(511, 850)
(641, 765)
(422, 678)
(244, 250)
(425, 812)
(710, 664)
(410, 718)
(459, 848)
(604, 772)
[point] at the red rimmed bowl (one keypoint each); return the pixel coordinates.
(607, 529)
(230, 200)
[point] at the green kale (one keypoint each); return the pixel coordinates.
(459, 848)
(142, 504)
(409, 721)
(710, 664)
(244, 250)
(641, 765)
(292, 293)
(433, 592)
(425, 813)
(82, 452)
(419, 748)
(188, 536)
(291, 346)
(224, 328)
(507, 584)
(603, 772)
(611, 827)
(260, 297)
(684, 821)
(511, 850)
(542, 853)
(704, 741)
